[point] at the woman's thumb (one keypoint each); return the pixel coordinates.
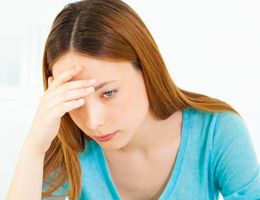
(50, 79)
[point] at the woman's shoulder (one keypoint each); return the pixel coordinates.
(218, 119)
(215, 128)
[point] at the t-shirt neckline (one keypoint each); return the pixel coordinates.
(170, 186)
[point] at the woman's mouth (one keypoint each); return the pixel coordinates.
(106, 137)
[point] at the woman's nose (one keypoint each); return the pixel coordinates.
(94, 115)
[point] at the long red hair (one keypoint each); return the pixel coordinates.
(108, 29)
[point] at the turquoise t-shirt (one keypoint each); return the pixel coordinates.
(216, 155)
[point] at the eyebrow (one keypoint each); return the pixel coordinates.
(103, 84)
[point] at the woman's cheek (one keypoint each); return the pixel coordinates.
(125, 103)
(75, 116)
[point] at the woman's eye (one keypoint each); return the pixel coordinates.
(110, 94)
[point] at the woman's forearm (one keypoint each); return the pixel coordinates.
(27, 179)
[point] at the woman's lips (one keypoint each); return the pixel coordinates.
(106, 137)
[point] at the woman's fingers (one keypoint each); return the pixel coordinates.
(65, 77)
(65, 107)
(70, 96)
(63, 90)
(62, 96)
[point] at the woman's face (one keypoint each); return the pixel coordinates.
(120, 105)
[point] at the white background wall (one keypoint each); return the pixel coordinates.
(211, 47)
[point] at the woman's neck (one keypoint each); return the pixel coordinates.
(153, 135)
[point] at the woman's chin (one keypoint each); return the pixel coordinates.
(116, 143)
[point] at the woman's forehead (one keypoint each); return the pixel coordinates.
(90, 66)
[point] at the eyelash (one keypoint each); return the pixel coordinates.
(109, 97)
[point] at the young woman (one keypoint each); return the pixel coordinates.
(112, 124)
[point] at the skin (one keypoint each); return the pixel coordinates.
(105, 111)
(142, 140)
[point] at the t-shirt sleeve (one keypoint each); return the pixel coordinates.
(236, 168)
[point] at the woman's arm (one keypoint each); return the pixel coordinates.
(237, 171)
(62, 96)
(27, 180)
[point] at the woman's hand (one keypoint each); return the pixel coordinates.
(62, 96)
